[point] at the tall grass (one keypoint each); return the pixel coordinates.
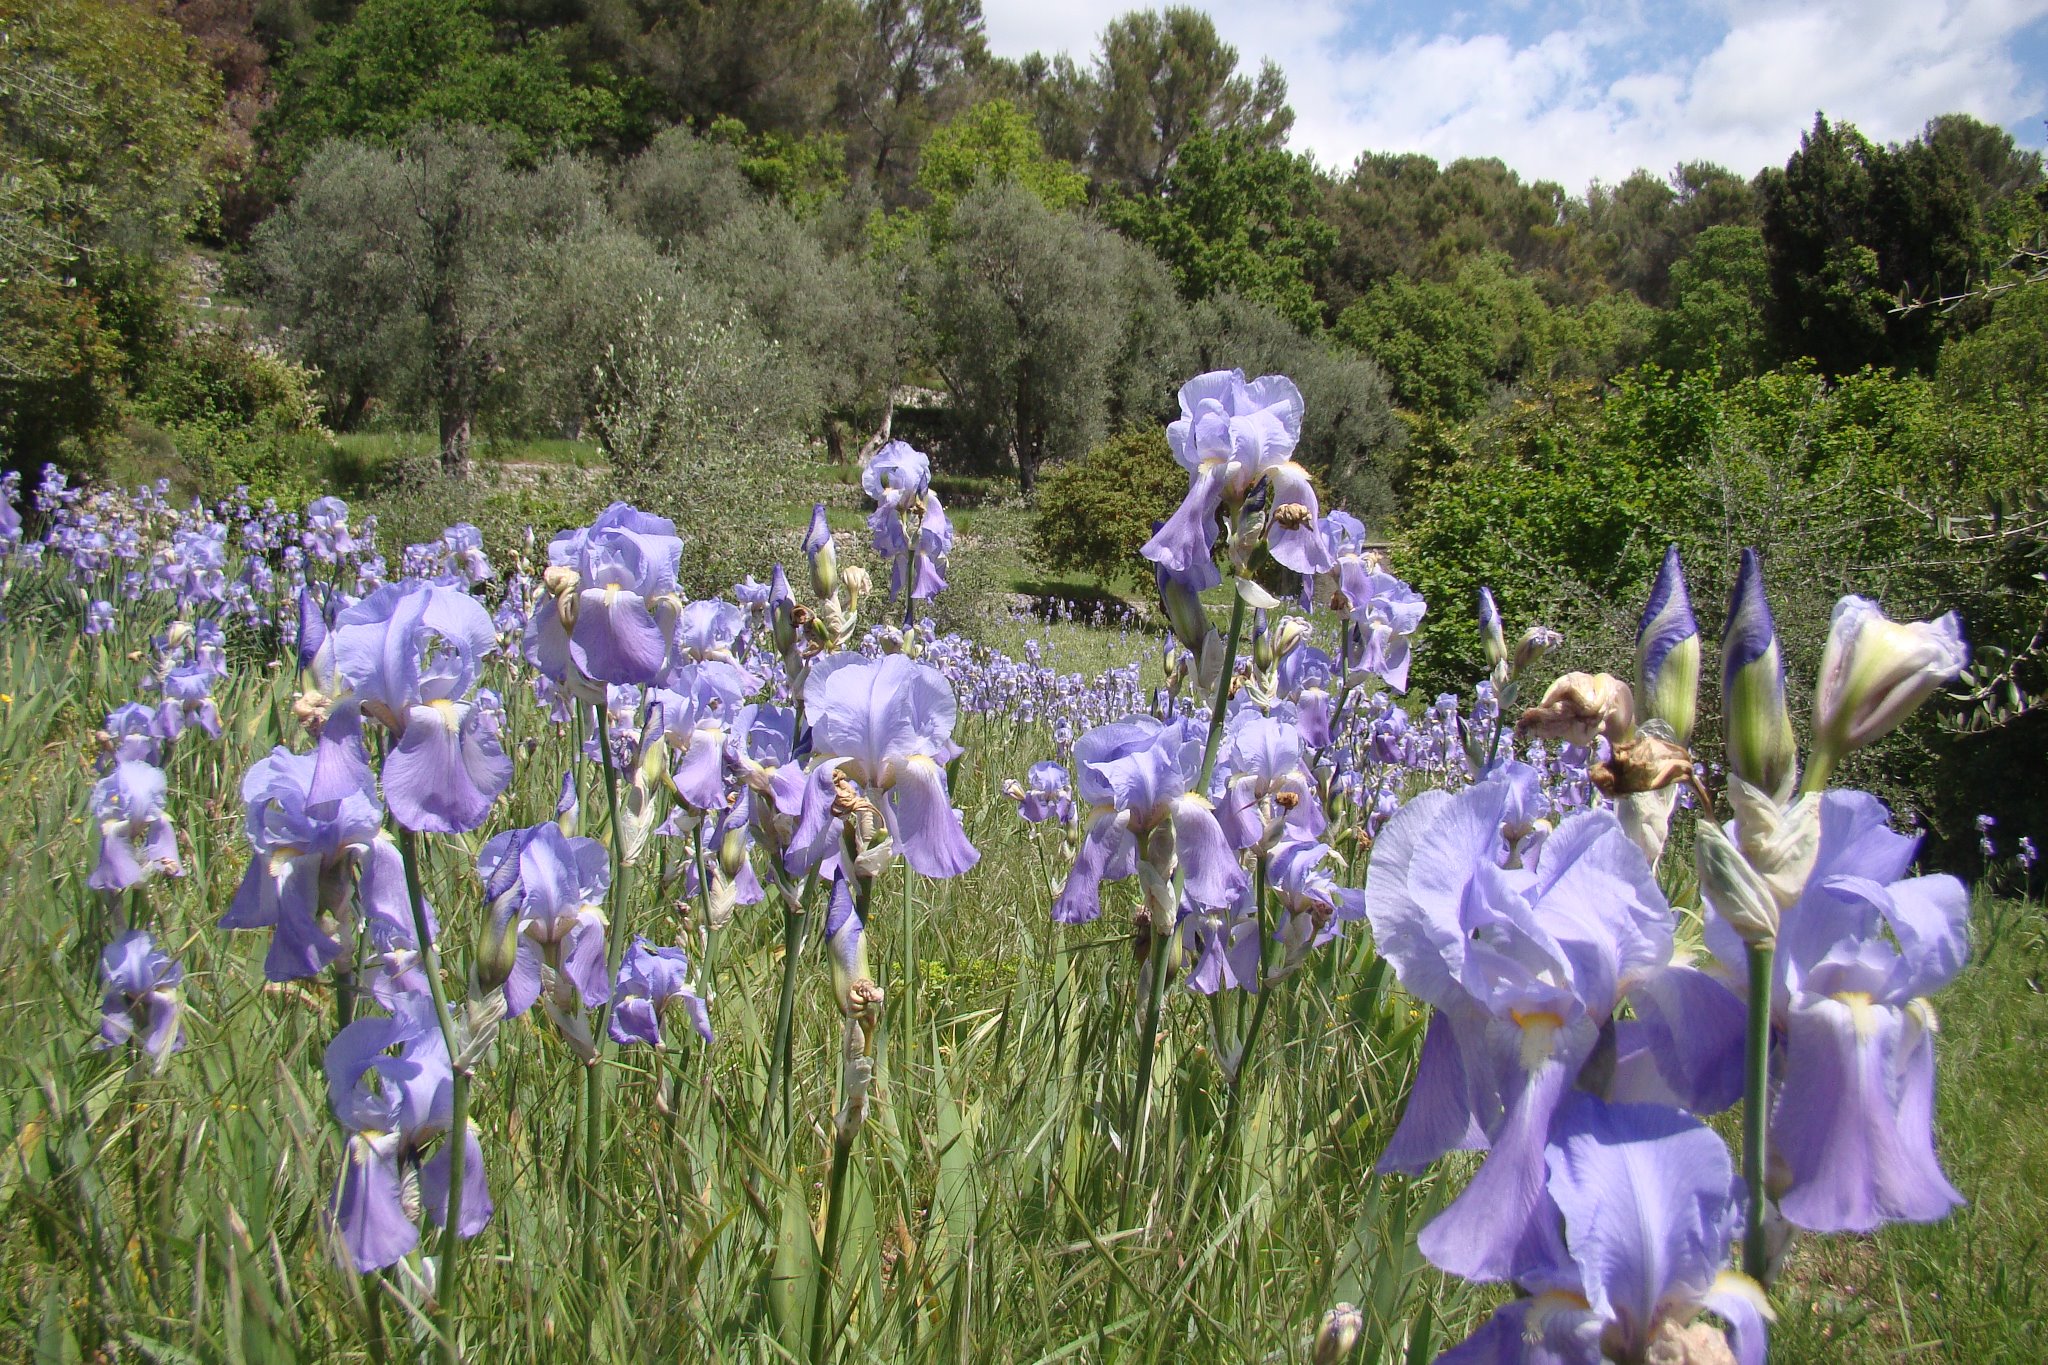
(182, 1216)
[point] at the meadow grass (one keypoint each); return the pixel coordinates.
(181, 1216)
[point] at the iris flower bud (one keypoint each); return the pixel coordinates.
(1184, 611)
(1876, 672)
(1761, 747)
(1338, 1334)
(1490, 633)
(823, 553)
(782, 622)
(1536, 642)
(1668, 652)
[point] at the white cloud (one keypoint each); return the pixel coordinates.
(1614, 87)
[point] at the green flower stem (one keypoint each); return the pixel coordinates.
(1222, 690)
(828, 1251)
(616, 935)
(1755, 1116)
(430, 961)
(795, 914)
(909, 1018)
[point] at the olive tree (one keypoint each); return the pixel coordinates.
(407, 274)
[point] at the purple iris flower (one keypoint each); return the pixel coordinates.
(408, 657)
(1640, 1206)
(548, 890)
(612, 600)
(1047, 793)
(1134, 777)
(1231, 436)
(142, 1004)
(308, 868)
(1525, 967)
(1381, 614)
(896, 476)
(1267, 791)
(136, 838)
(187, 701)
(934, 544)
(99, 617)
(1312, 903)
(696, 713)
(1858, 955)
(129, 734)
(326, 536)
(885, 726)
(390, 1083)
(651, 979)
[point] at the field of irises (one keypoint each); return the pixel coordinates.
(546, 959)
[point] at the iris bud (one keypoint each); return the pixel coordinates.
(1337, 1335)
(1185, 614)
(1876, 672)
(1536, 642)
(823, 553)
(1490, 633)
(1761, 747)
(498, 953)
(1668, 652)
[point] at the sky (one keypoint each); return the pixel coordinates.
(1579, 90)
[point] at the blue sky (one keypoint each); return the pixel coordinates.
(1577, 90)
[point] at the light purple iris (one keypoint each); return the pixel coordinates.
(886, 726)
(136, 838)
(408, 656)
(129, 734)
(1136, 777)
(1268, 793)
(651, 980)
(696, 712)
(187, 691)
(1858, 955)
(142, 1004)
(1232, 435)
(1640, 1206)
(1381, 614)
(612, 603)
(390, 1084)
(326, 536)
(309, 868)
(1525, 967)
(1047, 793)
(897, 475)
(548, 889)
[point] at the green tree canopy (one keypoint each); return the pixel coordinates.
(994, 143)
(1235, 215)
(1161, 77)
(106, 118)
(396, 64)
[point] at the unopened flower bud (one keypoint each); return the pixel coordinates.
(1185, 614)
(1536, 642)
(498, 951)
(855, 580)
(782, 622)
(1761, 747)
(1668, 652)
(1338, 1334)
(1876, 672)
(1490, 633)
(824, 555)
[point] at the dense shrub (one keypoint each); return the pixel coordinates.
(1091, 515)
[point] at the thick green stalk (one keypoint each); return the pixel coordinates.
(794, 913)
(828, 1253)
(1755, 1113)
(451, 1233)
(616, 935)
(430, 962)
(1222, 689)
(909, 984)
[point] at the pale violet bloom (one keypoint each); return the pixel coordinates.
(1232, 435)
(612, 601)
(1639, 1207)
(884, 726)
(652, 980)
(1858, 955)
(546, 890)
(1131, 778)
(142, 1005)
(136, 838)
